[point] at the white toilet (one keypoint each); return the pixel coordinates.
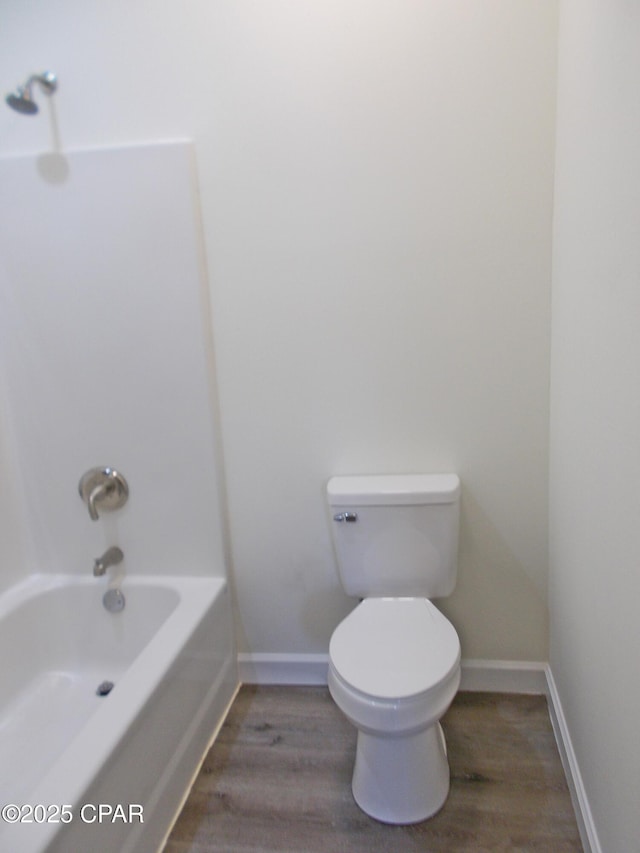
(394, 661)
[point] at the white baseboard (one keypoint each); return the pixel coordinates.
(282, 669)
(504, 676)
(490, 675)
(584, 818)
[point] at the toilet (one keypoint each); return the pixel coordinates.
(394, 661)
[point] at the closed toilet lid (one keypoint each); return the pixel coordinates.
(394, 647)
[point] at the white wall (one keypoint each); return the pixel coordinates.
(376, 183)
(595, 408)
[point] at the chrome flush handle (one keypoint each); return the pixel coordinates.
(346, 516)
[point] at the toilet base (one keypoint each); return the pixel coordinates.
(401, 780)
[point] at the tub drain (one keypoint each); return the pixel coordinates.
(105, 688)
(113, 600)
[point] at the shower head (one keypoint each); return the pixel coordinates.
(22, 99)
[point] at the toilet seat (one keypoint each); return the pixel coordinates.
(394, 649)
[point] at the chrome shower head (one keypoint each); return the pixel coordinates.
(22, 99)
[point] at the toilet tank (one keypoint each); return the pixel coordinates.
(396, 535)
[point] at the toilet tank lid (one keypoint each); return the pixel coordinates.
(393, 489)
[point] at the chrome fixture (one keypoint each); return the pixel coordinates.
(113, 600)
(111, 557)
(346, 516)
(22, 99)
(103, 488)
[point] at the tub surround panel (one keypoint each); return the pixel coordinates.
(13, 534)
(106, 359)
(104, 324)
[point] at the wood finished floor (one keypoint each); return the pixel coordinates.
(278, 778)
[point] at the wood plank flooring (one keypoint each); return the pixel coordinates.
(278, 778)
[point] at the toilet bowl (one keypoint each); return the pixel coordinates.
(394, 669)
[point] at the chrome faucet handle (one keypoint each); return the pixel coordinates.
(105, 488)
(96, 494)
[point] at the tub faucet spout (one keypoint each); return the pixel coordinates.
(111, 557)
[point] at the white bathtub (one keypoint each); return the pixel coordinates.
(80, 771)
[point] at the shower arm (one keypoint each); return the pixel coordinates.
(47, 81)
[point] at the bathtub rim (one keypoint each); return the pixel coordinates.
(80, 765)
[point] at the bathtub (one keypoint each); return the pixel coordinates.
(81, 771)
